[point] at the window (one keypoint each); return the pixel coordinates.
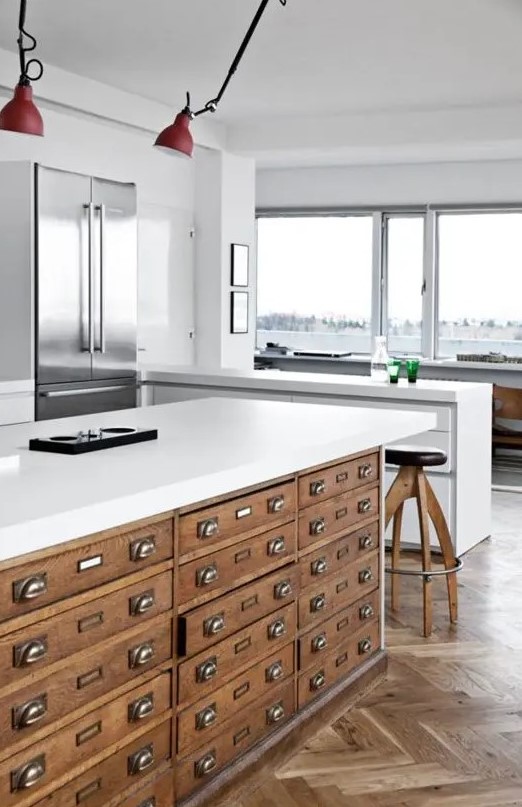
(315, 282)
(480, 283)
(404, 270)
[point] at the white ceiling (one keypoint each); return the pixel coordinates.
(326, 56)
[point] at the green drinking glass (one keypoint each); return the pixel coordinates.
(394, 368)
(412, 369)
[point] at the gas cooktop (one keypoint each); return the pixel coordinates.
(91, 440)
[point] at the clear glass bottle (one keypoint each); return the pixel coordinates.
(380, 358)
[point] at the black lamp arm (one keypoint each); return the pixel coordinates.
(25, 78)
(211, 105)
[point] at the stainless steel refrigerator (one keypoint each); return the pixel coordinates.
(86, 294)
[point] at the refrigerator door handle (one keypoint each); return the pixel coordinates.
(90, 252)
(101, 348)
(64, 393)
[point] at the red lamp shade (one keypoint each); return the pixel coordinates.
(21, 114)
(177, 136)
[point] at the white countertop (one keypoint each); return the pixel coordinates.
(316, 383)
(205, 448)
(16, 387)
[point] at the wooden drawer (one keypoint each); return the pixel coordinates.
(32, 585)
(345, 658)
(334, 556)
(321, 640)
(46, 642)
(202, 721)
(62, 752)
(349, 475)
(208, 624)
(97, 786)
(208, 671)
(236, 564)
(328, 596)
(226, 520)
(241, 732)
(158, 793)
(334, 516)
(40, 703)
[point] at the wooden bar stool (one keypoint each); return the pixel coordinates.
(411, 483)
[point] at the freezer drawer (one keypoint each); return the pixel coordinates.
(60, 402)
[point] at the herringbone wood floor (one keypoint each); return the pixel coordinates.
(446, 726)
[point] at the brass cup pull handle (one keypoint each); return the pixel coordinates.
(142, 548)
(277, 629)
(282, 590)
(207, 575)
(317, 603)
(214, 624)
(364, 506)
(205, 765)
(276, 504)
(30, 712)
(141, 760)
(141, 655)
(365, 542)
(206, 670)
(317, 526)
(29, 588)
(318, 681)
(275, 713)
(317, 488)
(319, 566)
(142, 603)
(206, 718)
(30, 652)
(365, 471)
(366, 576)
(366, 611)
(319, 643)
(365, 646)
(28, 775)
(141, 708)
(276, 546)
(274, 672)
(208, 528)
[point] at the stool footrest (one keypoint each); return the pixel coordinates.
(434, 573)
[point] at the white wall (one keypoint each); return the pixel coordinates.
(451, 182)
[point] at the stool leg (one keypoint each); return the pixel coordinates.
(401, 489)
(448, 553)
(424, 524)
(396, 556)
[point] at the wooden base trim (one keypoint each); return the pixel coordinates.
(281, 745)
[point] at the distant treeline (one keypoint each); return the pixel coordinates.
(293, 322)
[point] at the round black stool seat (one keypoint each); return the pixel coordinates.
(416, 456)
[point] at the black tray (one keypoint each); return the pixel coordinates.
(93, 440)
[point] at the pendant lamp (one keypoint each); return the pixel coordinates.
(21, 114)
(176, 138)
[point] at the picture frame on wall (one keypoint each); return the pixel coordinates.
(239, 264)
(238, 312)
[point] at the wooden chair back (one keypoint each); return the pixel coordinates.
(507, 403)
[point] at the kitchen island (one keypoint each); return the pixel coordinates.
(170, 608)
(462, 428)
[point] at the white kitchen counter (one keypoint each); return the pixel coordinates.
(205, 448)
(16, 401)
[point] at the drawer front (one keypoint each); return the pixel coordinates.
(202, 721)
(224, 521)
(333, 557)
(208, 671)
(75, 744)
(243, 731)
(345, 658)
(41, 703)
(46, 642)
(322, 639)
(337, 479)
(97, 786)
(39, 583)
(328, 596)
(234, 565)
(204, 626)
(159, 793)
(336, 515)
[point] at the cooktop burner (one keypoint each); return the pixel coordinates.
(91, 440)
